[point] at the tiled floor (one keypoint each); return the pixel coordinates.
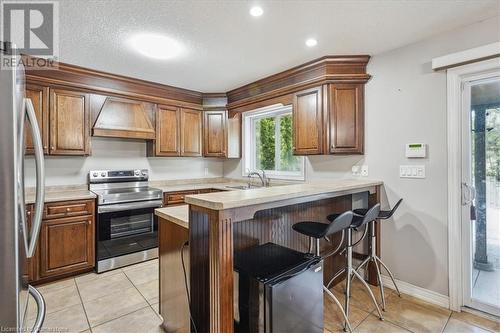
(126, 300)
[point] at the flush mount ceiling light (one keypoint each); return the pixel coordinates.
(311, 42)
(156, 46)
(256, 11)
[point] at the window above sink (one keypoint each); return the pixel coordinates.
(267, 143)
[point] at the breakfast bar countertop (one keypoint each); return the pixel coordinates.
(235, 199)
(176, 214)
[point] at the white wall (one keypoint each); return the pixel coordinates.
(406, 102)
(110, 153)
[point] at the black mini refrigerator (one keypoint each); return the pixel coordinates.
(279, 291)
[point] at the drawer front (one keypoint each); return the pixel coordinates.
(68, 209)
(174, 198)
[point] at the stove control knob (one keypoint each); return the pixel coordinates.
(137, 172)
(103, 174)
(95, 174)
(144, 173)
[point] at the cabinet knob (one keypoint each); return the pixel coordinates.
(67, 210)
(90, 222)
(52, 148)
(28, 212)
(44, 147)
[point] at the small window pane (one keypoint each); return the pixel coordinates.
(288, 162)
(265, 143)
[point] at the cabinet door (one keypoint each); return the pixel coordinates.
(191, 127)
(39, 96)
(307, 119)
(69, 122)
(167, 131)
(66, 245)
(215, 134)
(346, 123)
(30, 265)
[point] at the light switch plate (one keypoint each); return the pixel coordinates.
(412, 171)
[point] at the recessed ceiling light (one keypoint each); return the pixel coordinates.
(256, 11)
(311, 42)
(155, 46)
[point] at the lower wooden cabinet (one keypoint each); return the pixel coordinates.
(66, 243)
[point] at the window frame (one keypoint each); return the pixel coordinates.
(249, 147)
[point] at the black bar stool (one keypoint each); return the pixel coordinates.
(317, 230)
(358, 221)
(383, 215)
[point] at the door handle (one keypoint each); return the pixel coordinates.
(40, 302)
(40, 182)
(468, 194)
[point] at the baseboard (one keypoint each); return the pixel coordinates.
(418, 292)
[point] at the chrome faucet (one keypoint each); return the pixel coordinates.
(263, 179)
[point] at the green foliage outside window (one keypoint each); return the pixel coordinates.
(269, 147)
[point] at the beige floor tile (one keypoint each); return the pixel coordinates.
(360, 297)
(373, 324)
(156, 307)
(94, 289)
(477, 321)
(141, 265)
(56, 299)
(56, 285)
(69, 320)
(333, 319)
(416, 316)
(150, 290)
(143, 274)
(144, 321)
(113, 306)
(94, 276)
(457, 326)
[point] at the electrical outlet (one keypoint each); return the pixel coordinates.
(364, 170)
(355, 170)
(206, 171)
(412, 171)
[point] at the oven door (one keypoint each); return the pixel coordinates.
(126, 228)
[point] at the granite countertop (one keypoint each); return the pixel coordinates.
(61, 193)
(176, 214)
(223, 184)
(235, 199)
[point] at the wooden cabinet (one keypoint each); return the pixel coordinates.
(69, 122)
(346, 118)
(191, 132)
(39, 96)
(307, 122)
(167, 131)
(215, 133)
(66, 245)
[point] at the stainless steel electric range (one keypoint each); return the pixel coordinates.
(126, 228)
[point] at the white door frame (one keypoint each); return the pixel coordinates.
(455, 79)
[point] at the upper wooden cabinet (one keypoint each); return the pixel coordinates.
(69, 122)
(191, 132)
(307, 122)
(215, 133)
(346, 118)
(167, 131)
(39, 96)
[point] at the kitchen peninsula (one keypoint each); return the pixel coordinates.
(222, 224)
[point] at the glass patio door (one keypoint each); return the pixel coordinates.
(481, 193)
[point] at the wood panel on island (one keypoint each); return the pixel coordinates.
(67, 241)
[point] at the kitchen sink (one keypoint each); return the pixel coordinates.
(243, 187)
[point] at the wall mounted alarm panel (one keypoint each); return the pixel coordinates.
(416, 150)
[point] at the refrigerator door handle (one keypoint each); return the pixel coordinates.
(40, 180)
(40, 302)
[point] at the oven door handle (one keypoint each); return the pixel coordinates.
(129, 206)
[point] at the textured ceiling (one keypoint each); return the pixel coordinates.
(226, 47)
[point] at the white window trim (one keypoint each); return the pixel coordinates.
(248, 150)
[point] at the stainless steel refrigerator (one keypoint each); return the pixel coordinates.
(17, 243)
